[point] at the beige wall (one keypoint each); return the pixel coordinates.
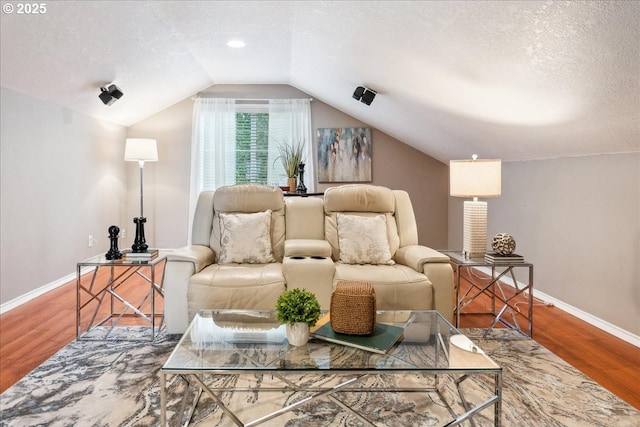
(578, 221)
(395, 165)
(166, 182)
(63, 179)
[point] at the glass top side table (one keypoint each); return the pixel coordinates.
(500, 285)
(109, 292)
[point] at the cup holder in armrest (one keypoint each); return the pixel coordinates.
(316, 257)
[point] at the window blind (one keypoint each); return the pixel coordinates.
(251, 149)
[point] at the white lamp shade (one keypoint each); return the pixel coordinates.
(475, 178)
(141, 150)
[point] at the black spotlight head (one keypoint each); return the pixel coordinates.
(106, 97)
(115, 91)
(358, 93)
(364, 95)
(109, 95)
(367, 96)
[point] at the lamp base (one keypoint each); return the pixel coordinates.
(139, 244)
(474, 242)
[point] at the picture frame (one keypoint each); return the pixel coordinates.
(344, 154)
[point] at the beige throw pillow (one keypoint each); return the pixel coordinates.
(246, 238)
(363, 239)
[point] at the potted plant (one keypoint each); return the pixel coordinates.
(290, 158)
(299, 309)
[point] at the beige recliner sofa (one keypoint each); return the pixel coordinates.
(356, 232)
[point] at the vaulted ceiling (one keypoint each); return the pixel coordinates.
(507, 79)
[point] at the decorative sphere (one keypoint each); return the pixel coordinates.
(503, 244)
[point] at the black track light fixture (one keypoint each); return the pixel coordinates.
(364, 95)
(110, 94)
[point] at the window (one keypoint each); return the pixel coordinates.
(237, 142)
(252, 148)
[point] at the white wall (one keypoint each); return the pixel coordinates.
(578, 221)
(63, 178)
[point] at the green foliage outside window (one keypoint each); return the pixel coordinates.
(252, 143)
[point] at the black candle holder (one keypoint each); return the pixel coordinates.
(139, 244)
(114, 252)
(301, 187)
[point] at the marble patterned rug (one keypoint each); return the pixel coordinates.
(116, 383)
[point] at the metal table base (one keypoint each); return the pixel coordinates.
(494, 285)
(97, 297)
(197, 382)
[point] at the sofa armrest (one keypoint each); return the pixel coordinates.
(307, 247)
(416, 256)
(200, 256)
(181, 265)
(437, 267)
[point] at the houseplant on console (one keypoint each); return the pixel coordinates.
(299, 309)
(290, 158)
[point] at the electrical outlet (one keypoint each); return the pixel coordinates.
(122, 233)
(90, 241)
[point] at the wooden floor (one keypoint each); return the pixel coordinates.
(608, 360)
(31, 333)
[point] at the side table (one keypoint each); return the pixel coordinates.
(105, 301)
(493, 287)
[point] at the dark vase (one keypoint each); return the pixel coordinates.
(301, 187)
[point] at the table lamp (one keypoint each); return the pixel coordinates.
(475, 178)
(140, 150)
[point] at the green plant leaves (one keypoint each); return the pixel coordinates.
(298, 305)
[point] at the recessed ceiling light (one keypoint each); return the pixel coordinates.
(235, 43)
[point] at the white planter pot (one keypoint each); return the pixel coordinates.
(298, 333)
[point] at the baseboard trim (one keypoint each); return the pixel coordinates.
(25, 298)
(590, 318)
(574, 311)
(22, 299)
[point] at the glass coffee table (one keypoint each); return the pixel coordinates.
(231, 342)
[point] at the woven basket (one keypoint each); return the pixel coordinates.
(353, 308)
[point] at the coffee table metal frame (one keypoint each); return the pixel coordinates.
(493, 287)
(120, 271)
(195, 376)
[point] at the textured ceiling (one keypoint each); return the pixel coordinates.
(508, 79)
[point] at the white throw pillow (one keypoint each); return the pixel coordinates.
(246, 238)
(363, 239)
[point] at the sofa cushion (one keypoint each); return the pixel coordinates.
(363, 200)
(304, 218)
(250, 198)
(246, 238)
(359, 198)
(397, 287)
(363, 239)
(237, 286)
(331, 232)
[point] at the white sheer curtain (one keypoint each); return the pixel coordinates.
(290, 121)
(213, 147)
